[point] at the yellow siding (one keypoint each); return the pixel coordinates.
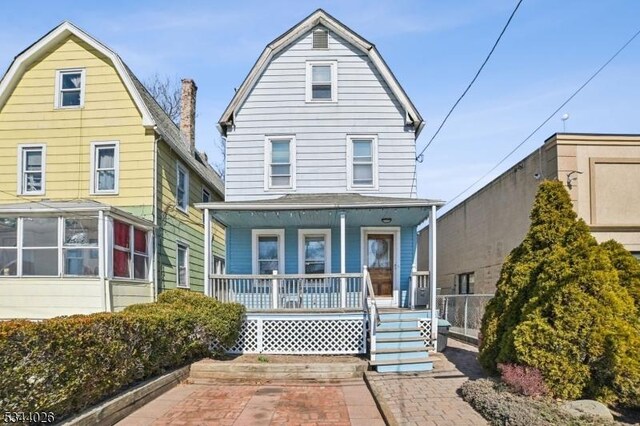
(108, 114)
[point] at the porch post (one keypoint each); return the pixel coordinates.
(343, 260)
(432, 275)
(207, 252)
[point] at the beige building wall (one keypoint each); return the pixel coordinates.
(477, 235)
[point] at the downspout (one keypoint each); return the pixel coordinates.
(155, 214)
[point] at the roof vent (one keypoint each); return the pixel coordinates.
(321, 39)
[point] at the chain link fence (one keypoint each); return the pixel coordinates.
(464, 312)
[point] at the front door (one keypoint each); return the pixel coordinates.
(380, 263)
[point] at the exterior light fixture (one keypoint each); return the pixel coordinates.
(386, 220)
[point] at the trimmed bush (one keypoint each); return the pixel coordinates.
(560, 307)
(523, 380)
(67, 364)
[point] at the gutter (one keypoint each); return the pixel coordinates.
(155, 216)
(270, 207)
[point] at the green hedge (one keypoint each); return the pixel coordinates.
(66, 364)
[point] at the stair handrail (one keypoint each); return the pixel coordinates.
(374, 304)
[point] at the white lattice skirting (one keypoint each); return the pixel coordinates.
(318, 334)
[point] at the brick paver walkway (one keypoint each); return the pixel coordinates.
(342, 403)
(427, 399)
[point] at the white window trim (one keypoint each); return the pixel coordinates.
(267, 163)
(21, 148)
(188, 260)
(334, 81)
(255, 233)
(326, 233)
(58, 98)
(116, 161)
(179, 167)
(374, 153)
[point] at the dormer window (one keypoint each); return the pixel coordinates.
(322, 81)
(320, 39)
(70, 88)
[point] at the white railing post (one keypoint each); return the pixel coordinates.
(433, 274)
(372, 332)
(207, 253)
(414, 281)
(274, 291)
(364, 286)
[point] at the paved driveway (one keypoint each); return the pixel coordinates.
(294, 403)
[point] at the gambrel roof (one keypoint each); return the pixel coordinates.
(320, 17)
(153, 116)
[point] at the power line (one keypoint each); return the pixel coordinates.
(475, 77)
(594, 75)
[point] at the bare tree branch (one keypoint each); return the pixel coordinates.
(221, 146)
(166, 91)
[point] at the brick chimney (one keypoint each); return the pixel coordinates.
(188, 112)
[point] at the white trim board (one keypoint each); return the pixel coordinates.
(326, 233)
(279, 233)
(390, 230)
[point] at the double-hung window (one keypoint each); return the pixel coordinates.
(31, 161)
(104, 165)
(70, 88)
(268, 251)
(182, 188)
(40, 246)
(182, 276)
(130, 252)
(314, 251)
(322, 81)
(280, 162)
(8, 246)
(362, 162)
(80, 247)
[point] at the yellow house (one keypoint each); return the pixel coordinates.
(97, 184)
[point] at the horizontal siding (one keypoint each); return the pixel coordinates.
(125, 293)
(108, 114)
(276, 105)
(41, 298)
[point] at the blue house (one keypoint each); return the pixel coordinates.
(321, 212)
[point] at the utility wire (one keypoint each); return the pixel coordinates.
(594, 75)
(475, 77)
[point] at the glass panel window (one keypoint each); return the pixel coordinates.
(140, 255)
(321, 81)
(40, 232)
(32, 179)
(8, 246)
(80, 249)
(314, 255)
(281, 162)
(183, 265)
(121, 249)
(206, 195)
(182, 189)
(105, 163)
(40, 262)
(70, 86)
(267, 254)
(465, 283)
(362, 162)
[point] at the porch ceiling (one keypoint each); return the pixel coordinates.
(400, 216)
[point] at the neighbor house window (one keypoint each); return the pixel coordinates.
(182, 188)
(104, 165)
(206, 195)
(465, 283)
(362, 162)
(8, 246)
(182, 265)
(80, 247)
(314, 251)
(70, 88)
(322, 81)
(636, 254)
(268, 251)
(280, 162)
(40, 246)
(31, 163)
(130, 251)
(320, 39)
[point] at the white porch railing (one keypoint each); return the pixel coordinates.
(419, 289)
(284, 291)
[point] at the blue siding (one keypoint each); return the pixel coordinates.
(239, 252)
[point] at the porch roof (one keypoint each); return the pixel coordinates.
(322, 210)
(72, 206)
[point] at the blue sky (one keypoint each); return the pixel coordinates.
(433, 47)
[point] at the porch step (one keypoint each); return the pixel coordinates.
(389, 316)
(417, 360)
(404, 349)
(208, 371)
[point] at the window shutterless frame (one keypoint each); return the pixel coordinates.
(358, 159)
(98, 168)
(303, 259)
(320, 80)
(30, 176)
(276, 167)
(68, 86)
(182, 188)
(182, 263)
(255, 249)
